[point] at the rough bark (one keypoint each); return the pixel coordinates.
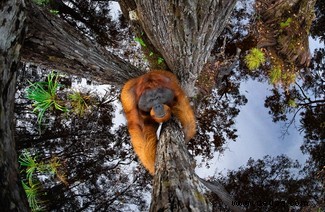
(53, 43)
(176, 187)
(184, 32)
(12, 29)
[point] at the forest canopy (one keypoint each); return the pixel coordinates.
(61, 115)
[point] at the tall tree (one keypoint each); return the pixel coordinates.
(12, 30)
(184, 33)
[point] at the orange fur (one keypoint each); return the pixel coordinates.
(142, 127)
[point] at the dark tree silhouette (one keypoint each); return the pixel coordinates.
(269, 184)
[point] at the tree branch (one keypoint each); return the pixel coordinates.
(53, 43)
(219, 190)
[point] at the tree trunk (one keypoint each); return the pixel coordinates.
(176, 186)
(12, 29)
(53, 43)
(183, 31)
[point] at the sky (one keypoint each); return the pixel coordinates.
(257, 135)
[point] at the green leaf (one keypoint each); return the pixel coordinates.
(292, 103)
(32, 192)
(140, 41)
(275, 74)
(54, 12)
(25, 159)
(254, 59)
(160, 60)
(78, 102)
(43, 94)
(286, 23)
